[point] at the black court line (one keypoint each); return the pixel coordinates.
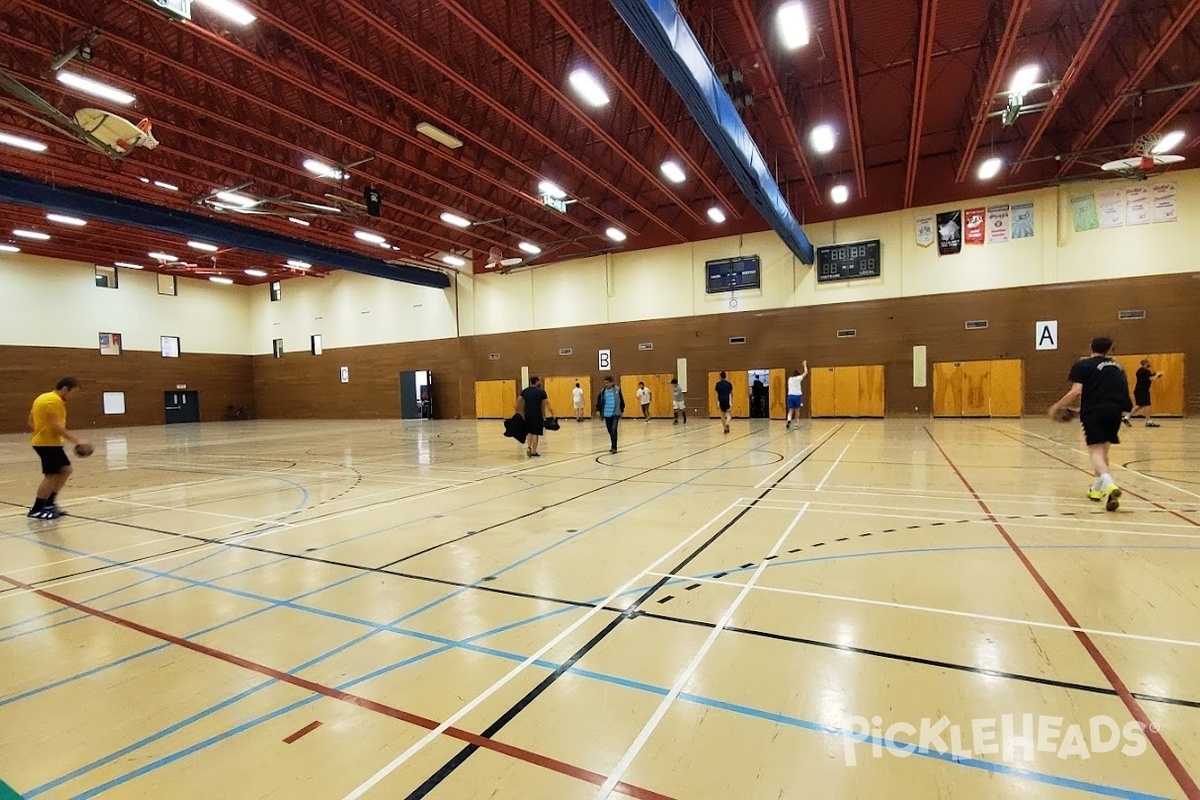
(520, 705)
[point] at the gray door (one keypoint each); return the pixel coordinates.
(410, 405)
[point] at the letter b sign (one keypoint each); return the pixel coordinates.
(605, 360)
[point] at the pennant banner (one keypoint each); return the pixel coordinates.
(973, 225)
(1164, 202)
(949, 232)
(1111, 208)
(997, 224)
(925, 230)
(1083, 211)
(1022, 221)
(1137, 206)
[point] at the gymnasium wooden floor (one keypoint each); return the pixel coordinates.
(348, 609)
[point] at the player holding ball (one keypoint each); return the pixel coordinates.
(48, 419)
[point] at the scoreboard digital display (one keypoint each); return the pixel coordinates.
(843, 262)
(731, 274)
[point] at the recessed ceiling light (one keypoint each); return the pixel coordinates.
(170, 187)
(323, 170)
(822, 138)
(439, 135)
(716, 215)
(162, 257)
(298, 264)
(454, 261)
(1168, 142)
(94, 87)
(219, 279)
(127, 265)
(236, 199)
(616, 234)
(22, 142)
(63, 219)
(673, 172)
(990, 168)
(38, 235)
(588, 87)
(257, 273)
(230, 10)
(792, 21)
(9, 248)
(552, 189)
(839, 194)
(455, 220)
(1024, 80)
(205, 246)
(298, 221)
(367, 236)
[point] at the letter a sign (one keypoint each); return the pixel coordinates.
(1047, 335)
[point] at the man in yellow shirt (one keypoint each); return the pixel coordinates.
(48, 419)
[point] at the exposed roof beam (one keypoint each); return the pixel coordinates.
(920, 91)
(1172, 27)
(839, 13)
(758, 47)
(1176, 108)
(1078, 63)
(1004, 49)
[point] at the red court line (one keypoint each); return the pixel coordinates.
(1048, 454)
(1172, 762)
(521, 754)
(305, 731)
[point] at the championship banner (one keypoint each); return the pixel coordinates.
(949, 233)
(925, 230)
(974, 228)
(1022, 221)
(1083, 212)
(997, 224)
(1164, 202)
(1111, 207)
(1137, 206)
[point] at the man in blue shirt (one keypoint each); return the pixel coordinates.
(610, 404)
(724, 399)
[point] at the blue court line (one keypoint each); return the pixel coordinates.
(448, 644)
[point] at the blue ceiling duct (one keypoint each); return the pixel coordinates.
(665, 34)
(95, 205)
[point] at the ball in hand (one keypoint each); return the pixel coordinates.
(84, 450)
(1065, 414)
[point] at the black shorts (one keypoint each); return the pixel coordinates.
(1101, 426)
(535, 426)
(723, 406)
(54, 459)
(1141, 398)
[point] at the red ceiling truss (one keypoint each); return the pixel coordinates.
(911, 86)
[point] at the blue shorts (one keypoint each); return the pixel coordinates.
(795, 401)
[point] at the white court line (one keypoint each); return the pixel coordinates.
(918, 494)
(651, 724)
(945, 611)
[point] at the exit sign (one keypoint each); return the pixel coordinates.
(558, 204)
(179, 9)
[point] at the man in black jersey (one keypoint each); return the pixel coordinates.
(1100, 385)
(1141, 393)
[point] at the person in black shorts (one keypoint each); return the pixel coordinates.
(534, 406)
(724, 390)
(1141, 393)
(1102, 389)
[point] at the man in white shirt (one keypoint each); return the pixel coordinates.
(795, 395)
(643, 396)
(577, 402)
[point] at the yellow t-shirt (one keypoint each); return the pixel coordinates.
(46, 409)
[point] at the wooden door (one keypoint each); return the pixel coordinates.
(713, 409)
(870, 390)
(845, 392)
(821, 389)
(947, 389)
(560, 389)
(778, 384)
(740, 402)
(659, 385)
(1007, 388)
(1166, 393)
(976, 388)
(495, 399)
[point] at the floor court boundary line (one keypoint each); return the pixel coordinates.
(1170, 760)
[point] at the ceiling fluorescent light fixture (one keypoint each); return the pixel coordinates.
(454, 261)
(298, 221)
(792, 21)
(93, 87)
(1024, 80)
(321, 169)
(588, 87)
(230, 10)
(162, 257)
(22, 143)
(170, 187)
(367, 236)
(822, 138)
(1168, 143)
(219, 279)
(127, 265)
(9, 248)
(990, 168)
(716, 215)
(454, 219)
(531, 249)
(673, 172)
(63, 219)
(144, 180)
(439, 135)
(296, 263)
(616, 234)
(257, 273)
(839, 194)
(205, 246)
(233, 198)
(37, 235)
(552, 189)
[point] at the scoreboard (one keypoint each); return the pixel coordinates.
(731, 274)
(843, 262)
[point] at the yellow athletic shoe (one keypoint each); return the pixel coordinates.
(1112, 497)
(1095, 494)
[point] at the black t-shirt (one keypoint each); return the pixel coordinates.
(724, 391)
(1104, 384)
(534, 397)
(1144, 376)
